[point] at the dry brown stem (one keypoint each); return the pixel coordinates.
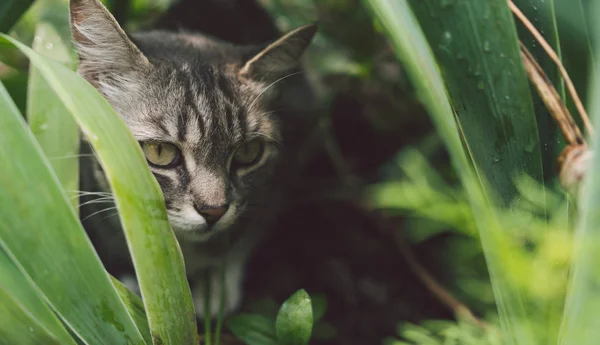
(552, 54)
(551, 98)
(459, 309)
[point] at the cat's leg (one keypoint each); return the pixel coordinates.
(234, 271)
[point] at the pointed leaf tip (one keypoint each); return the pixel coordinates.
(295, 320)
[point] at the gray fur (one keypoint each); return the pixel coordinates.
(206, 97)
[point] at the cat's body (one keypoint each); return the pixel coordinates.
(221, 126)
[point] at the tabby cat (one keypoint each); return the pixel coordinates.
(220, 124)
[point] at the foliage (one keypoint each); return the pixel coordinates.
(509, 232)
(441, 332)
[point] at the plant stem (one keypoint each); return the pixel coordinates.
(222, 300)
(207, 303)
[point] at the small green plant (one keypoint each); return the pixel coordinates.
(292, 325)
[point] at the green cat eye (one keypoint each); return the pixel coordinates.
(161, 154)
(248, 153)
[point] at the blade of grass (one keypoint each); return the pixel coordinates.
(155, 251)
(41, 234)
(16, 289)
(11, 11)
(222, 299)
(542, 14)
(476, 47)
(576, 46)
(412, 49)
(18, 327)
(135, 307)
(580, 324)
(207, 304)
(51, 124)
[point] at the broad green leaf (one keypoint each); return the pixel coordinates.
(295, 320)
(40, 232)
(420, 65)
(576, 46)
(16, 289)
(135, 307)
(253, 329)
(155, 252)
(11, 11)
(542, 14)
(581, 324)
(476, 47)
(51, 123)
(18, 327)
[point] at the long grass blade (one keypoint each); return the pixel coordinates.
(154, 249)
(412, 49)
(51, 124)
(17, 291)
(581, 324)
(41, 234)
(542, 14)
(18, 327)
(135, 307)
(476, 46)
(11, 11)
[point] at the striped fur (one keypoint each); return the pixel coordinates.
(206, 97)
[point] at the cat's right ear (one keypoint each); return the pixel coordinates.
(102, 44)
(281, 56)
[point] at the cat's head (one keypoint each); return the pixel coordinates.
(199, 108)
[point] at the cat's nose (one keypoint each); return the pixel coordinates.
(212, 214)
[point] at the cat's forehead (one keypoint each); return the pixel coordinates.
(195, 105)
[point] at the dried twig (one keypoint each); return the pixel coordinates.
(550, 96)
(459, 309)
(552, 54)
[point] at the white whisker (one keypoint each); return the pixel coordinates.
(270, 85)
(79, 193)
(101, 211)
(98, 201)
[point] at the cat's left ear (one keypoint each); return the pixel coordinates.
(103, 46)
(281, 56)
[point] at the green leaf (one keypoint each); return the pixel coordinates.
(11, 11)
(253, 329)
(420, 65)
(295, 320)
(576, 46)
(476, 46)
(51, 123)
(542, 14)
(19, 295)
(155, 252)
(41, 234)
(135, 307)
(581, 324)
(18, 327)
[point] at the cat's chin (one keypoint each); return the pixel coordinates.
(195, 233)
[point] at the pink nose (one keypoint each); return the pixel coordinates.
(212, 214)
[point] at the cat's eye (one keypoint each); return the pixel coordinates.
(248, 153)
(162, 155)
